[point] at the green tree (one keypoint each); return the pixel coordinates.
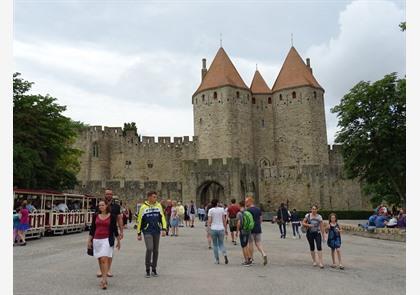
(43, 156)
(129, 126)
(402, 26)
(372, 118)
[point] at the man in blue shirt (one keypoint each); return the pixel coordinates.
(256, 231)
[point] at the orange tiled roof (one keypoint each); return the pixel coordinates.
(258, 85)
(294, 73)
(222, 72)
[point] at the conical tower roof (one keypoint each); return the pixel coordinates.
(258, 85)
(294, 73)
(222, 72)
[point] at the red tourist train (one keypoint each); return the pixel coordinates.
(55, 212)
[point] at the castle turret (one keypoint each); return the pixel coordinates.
(300, 133)
(262, 119)
(222, 112)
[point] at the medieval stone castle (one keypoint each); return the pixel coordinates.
(268, 142)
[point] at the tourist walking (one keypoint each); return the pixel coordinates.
(201, 213)
(218, 229)
(232, 211)
(168, 212)
(315, 233)
(181, 214)
(244, 226)
(186, 216)
(16, 222)
(114, 209)
(282, 219)
(192, 210)
(23, 223)
(152, 223)
(207, 227)
(295, 223)
(334, 240)
(130, 216)
(102, 239)
(256, 232)
(174, 219)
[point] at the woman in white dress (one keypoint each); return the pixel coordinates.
(102, 239)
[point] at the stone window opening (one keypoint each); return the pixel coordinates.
(294, 94)
(202, 97)
(95, 150)
(314, 94)
(201, 120)
(149, 164)
(253, 100)
(237, 94)
(215, 95)
(127, 164)
(281, 97)
(269, 100)
(262, 123)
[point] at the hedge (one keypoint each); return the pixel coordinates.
(347, 214)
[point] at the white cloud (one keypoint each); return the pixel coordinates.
(368, 46)
(99, 109)
(85, 61)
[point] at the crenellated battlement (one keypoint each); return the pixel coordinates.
(130, 135)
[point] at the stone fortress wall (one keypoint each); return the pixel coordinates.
(272, 144)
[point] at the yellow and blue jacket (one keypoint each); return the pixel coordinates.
(151, 219)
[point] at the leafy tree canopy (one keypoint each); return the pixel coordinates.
(130, 126)
(43, 156)
(372, 121)
(402, 26)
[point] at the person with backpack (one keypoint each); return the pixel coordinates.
(256, 232)
(294, 218)
(244, 226)
(282, 218)
(218, 229)
(334, 240)
(192, 210)
(232, 211)
(314, 230)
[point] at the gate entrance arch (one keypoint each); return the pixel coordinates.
(210, 190)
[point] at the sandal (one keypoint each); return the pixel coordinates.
(314, 264)
(321, 266)
(341, 267)
(103, 285)
(109, 275)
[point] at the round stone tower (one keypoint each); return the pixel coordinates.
(222, 112)
(300, 134)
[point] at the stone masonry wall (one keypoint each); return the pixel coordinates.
(300, 133)
(223, 124)
(262, 128)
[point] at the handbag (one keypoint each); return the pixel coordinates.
(90, 251)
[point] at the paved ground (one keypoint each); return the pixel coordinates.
(59, 265)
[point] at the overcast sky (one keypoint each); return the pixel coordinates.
(112, 62)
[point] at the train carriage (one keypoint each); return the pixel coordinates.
(56, 212)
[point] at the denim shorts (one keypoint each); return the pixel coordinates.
(244, 238)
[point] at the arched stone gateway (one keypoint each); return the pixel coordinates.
(210, 190)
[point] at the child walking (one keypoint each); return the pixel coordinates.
(334, 240)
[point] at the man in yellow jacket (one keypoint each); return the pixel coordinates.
(151, 221)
